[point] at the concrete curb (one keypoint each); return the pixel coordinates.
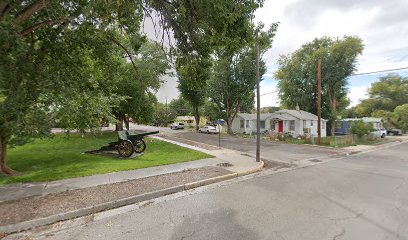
(18, 227)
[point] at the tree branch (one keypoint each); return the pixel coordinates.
(31, 9)
(126, 51)
(4, 8)
(41, 25)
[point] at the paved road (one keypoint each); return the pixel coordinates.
(276, 151)
(360, 197)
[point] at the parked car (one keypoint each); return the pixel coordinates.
(394, 131)
(208, 129)
(383, 132)
(177, 126)
(376, 133)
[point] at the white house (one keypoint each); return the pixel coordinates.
(246, 123)
(295, 122)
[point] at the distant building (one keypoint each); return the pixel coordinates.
(343, 126)
(190, 120)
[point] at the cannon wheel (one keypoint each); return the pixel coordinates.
(140, 146)
(125, 148)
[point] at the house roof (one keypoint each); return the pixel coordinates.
(302, 115)
(365, 119)
(252, 116)
(185, 118)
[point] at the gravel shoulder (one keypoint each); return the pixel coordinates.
(29, 208)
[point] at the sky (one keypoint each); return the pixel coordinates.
(381, 24)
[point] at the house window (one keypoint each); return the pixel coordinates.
(262, 124)
(323, 125)
(242, 123)
(291, 125)
(304, 123)
(273, 125)
(311, 123)
(247, 123)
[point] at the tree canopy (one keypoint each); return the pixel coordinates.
(58, 59)
(297, 75)
(233, 81)
(387, 98)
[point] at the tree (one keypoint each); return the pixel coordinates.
(212, 111)
(385, 95)
(234, 76)
(297, 75)
(54, 60)
(401, 116)
(136, 81)
(161, 114)
(221, 25)
(180, 107)
(193, 73)
(55, 56)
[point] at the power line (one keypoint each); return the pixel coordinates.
(268, 93)
(387, 70)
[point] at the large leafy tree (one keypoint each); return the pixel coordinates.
(137, 82)
(233, 81)
(297, 75)
(384, 96)
(180, 107)
(401, 116)
(56, 55)
(193, 73)
(54, 58)
(224, 25)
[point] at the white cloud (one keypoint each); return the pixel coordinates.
(356, 94)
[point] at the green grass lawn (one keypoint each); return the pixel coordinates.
(63, 156)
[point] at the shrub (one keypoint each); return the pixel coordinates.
(361, 128)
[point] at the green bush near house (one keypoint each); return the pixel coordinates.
(62, 156)
(361, 128)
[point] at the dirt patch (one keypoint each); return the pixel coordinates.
(268, 164)
(43, 206)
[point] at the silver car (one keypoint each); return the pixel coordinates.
(208, 129)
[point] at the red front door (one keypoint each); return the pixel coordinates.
(280, 126)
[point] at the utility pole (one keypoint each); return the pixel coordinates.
(167, 116)
(258, 109)
(319, 101)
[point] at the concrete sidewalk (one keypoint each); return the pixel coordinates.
(237, 163)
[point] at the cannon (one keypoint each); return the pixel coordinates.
(128, 143)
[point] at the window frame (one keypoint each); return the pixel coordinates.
(292, 123)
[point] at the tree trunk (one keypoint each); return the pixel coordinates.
(126, 119)
(196, 117)
(229, 117)
(3, 158)
(229, 125)
(333, 118)
(119, 123)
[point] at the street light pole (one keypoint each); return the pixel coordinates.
(258, 109)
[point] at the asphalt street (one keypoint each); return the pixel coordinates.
(361, 196)
(276, 151)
